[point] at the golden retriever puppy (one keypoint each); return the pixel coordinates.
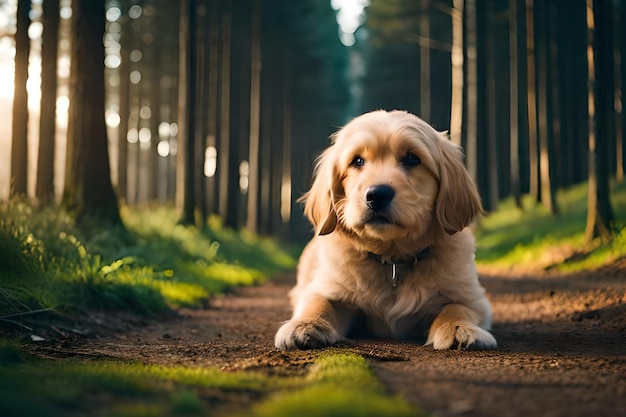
(390, 203)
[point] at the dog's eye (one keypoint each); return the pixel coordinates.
(357, 162)
(410, 160)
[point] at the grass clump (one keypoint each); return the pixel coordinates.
(530, 238)
(48, 262)
(338, 384)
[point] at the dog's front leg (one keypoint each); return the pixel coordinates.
(316, 322)
(458, 326)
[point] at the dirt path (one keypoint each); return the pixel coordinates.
(562, 348)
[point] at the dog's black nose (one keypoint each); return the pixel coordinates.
(379, 197)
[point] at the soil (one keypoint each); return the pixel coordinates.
(562, 347)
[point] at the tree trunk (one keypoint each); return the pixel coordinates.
(514, 104)
(424, 28)
(544, 106)
(456, 57)
(620, 139)
(554, 113)
(471, 89)
(532, 101)
(492, 112)
(240, 115)
(224, 152)
(153, 75)
(88, 189)
(255, 120)
(44, 190)
(201, 110)
(19, 139)
(600, 219)
(286, 189)
(212, 117)
(185, 197)
(124, 109)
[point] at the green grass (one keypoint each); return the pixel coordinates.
(532, 239)
(48, 262)
(31, 386)
(337, 384)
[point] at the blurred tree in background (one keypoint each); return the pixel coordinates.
(88, 189)
(19, 141)
(44, 191)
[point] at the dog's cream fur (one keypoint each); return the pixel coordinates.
(345, 271)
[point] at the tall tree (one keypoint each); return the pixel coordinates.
(471, 91)
(212, 104)
(531, 100)
(19, 140)
(600, 216)
(491, 98)
(456, 59)
(226, 149)
(514, 102)
(88, 189)
(253, 212)
(240, 114)
(619, 175)
(424, 30)
(185, 187)
(44, 190)
(544, 105)
(124, 109)
(202, 98)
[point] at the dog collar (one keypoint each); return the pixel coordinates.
(409, 262)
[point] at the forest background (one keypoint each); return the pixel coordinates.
(221, 107)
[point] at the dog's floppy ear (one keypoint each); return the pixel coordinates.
(319, 201)
(458, 202)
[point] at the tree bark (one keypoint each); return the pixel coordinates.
(19, 139)
(124, 109)
(492, 112)
(255, 120)
(544, 106)
(224, 151)
(514, 104)
(44, 190)
(532, 101)
(471, 89)
(456, 57)
(600, 219)
(424, 28)
(88, 189)
(212, 117)
(185, 197)
(619, 176)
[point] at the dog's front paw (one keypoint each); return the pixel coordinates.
(462, 336)
(296, 334)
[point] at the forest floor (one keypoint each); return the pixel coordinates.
(562, 347)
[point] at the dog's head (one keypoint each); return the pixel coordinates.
(390, 175)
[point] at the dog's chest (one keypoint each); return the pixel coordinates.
(393, 291)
